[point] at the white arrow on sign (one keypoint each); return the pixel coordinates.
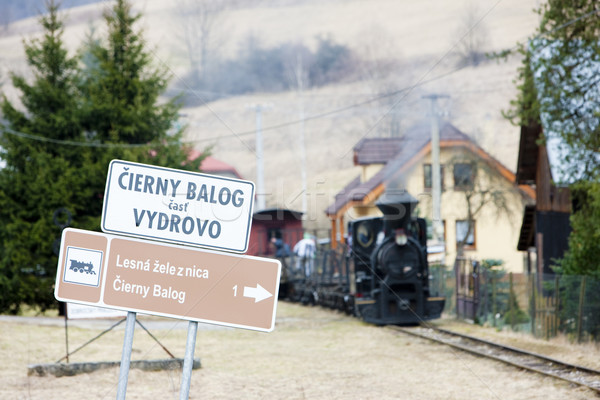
(259, 293)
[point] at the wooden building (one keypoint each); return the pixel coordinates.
(274, 223)
(545, 229)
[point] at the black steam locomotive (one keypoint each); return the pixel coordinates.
(383, 278)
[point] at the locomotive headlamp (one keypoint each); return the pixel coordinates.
(401, 238)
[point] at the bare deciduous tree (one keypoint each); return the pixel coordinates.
(471, 37)
(199, 20)
(481, 186)
(381, 74)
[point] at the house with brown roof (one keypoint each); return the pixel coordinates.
(468, 174)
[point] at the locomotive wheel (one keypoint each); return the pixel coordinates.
(369, 312)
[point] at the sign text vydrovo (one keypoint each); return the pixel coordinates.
(177, 206)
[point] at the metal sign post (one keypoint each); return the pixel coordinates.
(188, 361)
(126, 356)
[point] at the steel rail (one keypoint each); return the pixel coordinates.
(519, 358)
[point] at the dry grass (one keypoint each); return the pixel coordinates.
(312, 354)
(584, 354)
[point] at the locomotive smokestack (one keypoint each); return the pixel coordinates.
(397, 207)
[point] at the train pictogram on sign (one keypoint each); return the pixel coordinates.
(83, 266)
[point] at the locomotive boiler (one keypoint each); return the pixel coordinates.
(388, 259)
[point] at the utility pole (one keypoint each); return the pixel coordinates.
(436, 180)
(300, 77)
(260, 175)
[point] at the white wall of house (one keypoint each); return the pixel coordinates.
(496, 232)
(367, 171)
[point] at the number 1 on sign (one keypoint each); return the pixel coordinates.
(235, 291)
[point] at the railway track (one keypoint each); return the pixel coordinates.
(519, 358)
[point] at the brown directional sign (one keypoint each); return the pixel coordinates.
(168, 280)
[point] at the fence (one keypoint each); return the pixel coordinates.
(544, 305)
(467, 288)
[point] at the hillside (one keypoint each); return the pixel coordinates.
(419, 36)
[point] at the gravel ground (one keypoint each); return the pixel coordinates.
(312, 354)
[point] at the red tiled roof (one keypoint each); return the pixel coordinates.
(212, 165)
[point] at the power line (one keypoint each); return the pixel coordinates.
(334, 111)
(246, 133)
(71, 142)
(386, 95)
(285, 124)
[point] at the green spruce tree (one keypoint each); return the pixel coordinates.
(121, 105)
(39, 174)
(56, 147)
(122, 90)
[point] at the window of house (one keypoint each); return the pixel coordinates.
(462, 229)
(464, 175)
(428, 176)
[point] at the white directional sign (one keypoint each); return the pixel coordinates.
(163, 279)
(177, 206)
